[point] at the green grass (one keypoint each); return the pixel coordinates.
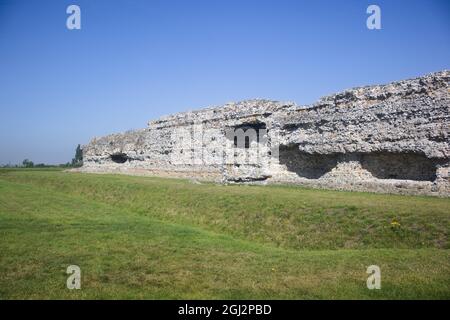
(137, 237)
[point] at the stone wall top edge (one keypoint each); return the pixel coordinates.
(262, 107)
(257, 107)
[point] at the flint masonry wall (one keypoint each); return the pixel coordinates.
(387, 138)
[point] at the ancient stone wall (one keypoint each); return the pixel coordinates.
(387, 138)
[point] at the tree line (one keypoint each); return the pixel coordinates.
(76, 162)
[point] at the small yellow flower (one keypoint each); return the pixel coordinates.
(395, 224)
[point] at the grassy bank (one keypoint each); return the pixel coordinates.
(137, 237)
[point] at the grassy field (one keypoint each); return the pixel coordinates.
(138, 237)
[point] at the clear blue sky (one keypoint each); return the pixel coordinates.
(136, 60)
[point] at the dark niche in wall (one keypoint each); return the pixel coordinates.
(305, 165)
(244, 134)
(119, 157)
(382, 165)
(400, 165)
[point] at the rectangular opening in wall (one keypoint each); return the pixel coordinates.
(246, 133)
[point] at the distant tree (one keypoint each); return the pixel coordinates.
(78, 160)
(41, 165)
(65, 165)
(27, 163)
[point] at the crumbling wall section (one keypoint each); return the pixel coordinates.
(387, 138)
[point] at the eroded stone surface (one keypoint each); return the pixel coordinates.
(384, 138)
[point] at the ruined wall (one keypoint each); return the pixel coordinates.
(387, 138)
(189, 144)
(392, 138)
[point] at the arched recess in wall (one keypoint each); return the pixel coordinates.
(119, 157)
(381, 165)
(400, 165)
